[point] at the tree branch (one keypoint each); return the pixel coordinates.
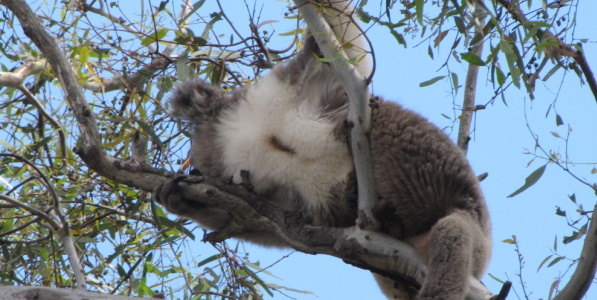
(16, 78)
(587, 264)
(55, 123)
(47, 293)
(63, 231)
(583, 276)
(359, 112)
(365, 249)
(470, 85)
(54, 224)
(138, 78)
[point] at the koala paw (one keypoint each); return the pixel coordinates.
(167, 195)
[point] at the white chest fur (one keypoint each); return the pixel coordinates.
(282, 141)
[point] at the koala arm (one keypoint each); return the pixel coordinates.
(210, 218)
(167, 195)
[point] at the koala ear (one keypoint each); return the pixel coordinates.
(196, 101)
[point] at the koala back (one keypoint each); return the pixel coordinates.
(420, 174)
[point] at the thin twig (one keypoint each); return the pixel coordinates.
(55, 123)
(561, 49)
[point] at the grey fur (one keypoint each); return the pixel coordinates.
(429, 196)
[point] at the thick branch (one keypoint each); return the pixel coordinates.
(365, 249)
(359, 115)
(368, 250)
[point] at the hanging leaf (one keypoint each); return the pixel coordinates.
(553, 287)
(530, 181)
(419, 11)
(555, 261)
(431, 81)
(511, 241)
(559, 120)
(511, 57)
(455, 82)
(478, 37)
(183, 71)
(196, 6)
(472, 59)
(440, 37)
(459, 24)
(543, 262)
(501, 78)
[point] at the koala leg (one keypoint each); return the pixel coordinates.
(450, 250)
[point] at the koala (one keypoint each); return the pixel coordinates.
(289, 130)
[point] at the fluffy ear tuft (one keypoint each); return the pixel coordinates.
(196, 101)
